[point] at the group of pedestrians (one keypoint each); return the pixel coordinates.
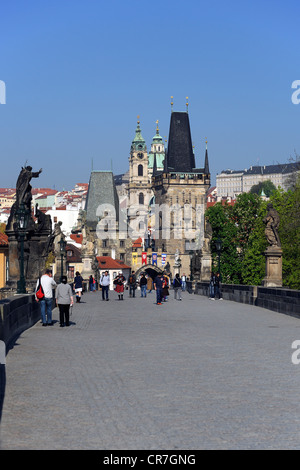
(64, 291)
(215, 287)
(63, 297)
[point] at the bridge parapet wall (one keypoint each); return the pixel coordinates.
(278, 299)
(17, 313)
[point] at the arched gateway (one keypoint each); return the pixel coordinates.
(150, 269)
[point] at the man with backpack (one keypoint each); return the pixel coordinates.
(177, 285)
(132, 284)
(48, 284)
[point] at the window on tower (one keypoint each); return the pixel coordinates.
(141, 198)
(140, 170)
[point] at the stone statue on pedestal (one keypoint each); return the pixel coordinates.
(273, 253)
(36, 238)
(272, 224)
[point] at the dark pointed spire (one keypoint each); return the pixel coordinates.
(206, 165)
(180, 156)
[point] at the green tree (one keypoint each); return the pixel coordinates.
(267, 186)
(238, 227)
(287, 205)
(223, 227)
(254, 261)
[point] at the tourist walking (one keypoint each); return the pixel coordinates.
(143, 285)
(177, 284)
(218, 286)
(92, 283)
(78, 286)
(132, 284)
(183, 282)
(119, 285)
(158, 286)
(64, 300)
(212, 286)
(165, 292)
(149, 284)
(105, 283)
(48, 284)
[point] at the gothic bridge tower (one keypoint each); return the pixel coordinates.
(182, 188)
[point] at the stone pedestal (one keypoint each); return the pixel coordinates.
(87, 269)
(273, 276)
(205, 267)
(176, 269)
(35, 254)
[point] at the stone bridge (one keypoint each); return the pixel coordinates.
(192, 374)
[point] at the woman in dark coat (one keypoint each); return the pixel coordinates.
(165, 291)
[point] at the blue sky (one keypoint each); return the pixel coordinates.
(78, 72)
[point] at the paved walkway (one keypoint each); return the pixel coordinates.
(130, 375)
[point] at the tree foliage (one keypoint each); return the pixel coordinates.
(267, 186)
(242, 231)
(287, 205)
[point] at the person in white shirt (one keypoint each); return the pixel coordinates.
(48, 284)
(183, 281)
(105, 282)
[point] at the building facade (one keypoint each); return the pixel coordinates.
(231, 183)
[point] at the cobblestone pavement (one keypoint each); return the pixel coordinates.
(194, 374)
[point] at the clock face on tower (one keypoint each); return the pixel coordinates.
(140, 155)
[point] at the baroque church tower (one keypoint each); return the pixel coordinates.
(139, 187)
(156, 156)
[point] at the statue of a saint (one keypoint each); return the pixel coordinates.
(23, 193)
(272, 223)
(177, 258)
(23, 187)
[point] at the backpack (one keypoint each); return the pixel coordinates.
(130, 280)
(40, 291)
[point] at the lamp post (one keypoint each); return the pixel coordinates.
(219, 249)
(191, 254)
(22, 223)
(62, 244)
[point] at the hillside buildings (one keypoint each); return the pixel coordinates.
(230, 183)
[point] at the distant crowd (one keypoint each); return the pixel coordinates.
(64, 292)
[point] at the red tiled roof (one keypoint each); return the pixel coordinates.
(3, 239)
(106, 262)
(137, 243)
(223, 202)
(77, 237)
(44, 191)
(76, 255)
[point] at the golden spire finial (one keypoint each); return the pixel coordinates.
(206, 141)
(187, 103)
(172, 103)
